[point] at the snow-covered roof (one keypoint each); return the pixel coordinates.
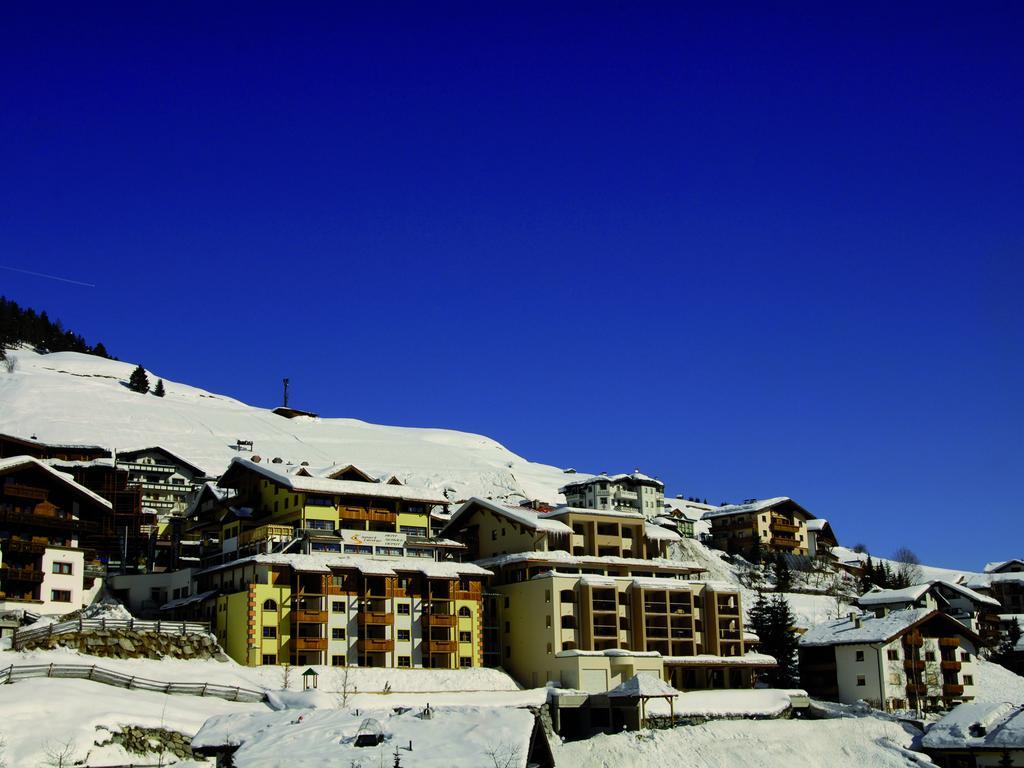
(657, 533)
(563, 510)
(328, 487)
(914, 593)
(195, 469)
(868, 628)
(191, 599)
(753, 506)
(323, 562)
(522, 515)
(816, 524)
(452, 736)
(986, 580)
(611, 652)
(979, 725)
(748, 659)
(635, 477)
(561, 557)
(1000, 564)
(20, 462)
(643, 686)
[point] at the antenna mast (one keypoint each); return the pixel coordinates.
(285, 393)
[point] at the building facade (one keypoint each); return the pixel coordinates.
(773, 525)
(635, 492)
(306, 569)
(43, 516)
(915, 658)
(587, 599)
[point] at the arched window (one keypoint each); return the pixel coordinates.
(269, 605)
(568, 622)
(465, 612)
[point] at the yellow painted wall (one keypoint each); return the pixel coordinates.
(468, 624)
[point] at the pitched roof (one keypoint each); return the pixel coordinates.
(20, 462)
(754, 506)
(521, 515)
(916, 592)
(635, 477)
(643, 686)
(867, 628)
(195, 469)
(323, 562)
(327, 487)
(979, 725)
(1000, 564)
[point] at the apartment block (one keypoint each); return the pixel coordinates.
(915, 658)
(43, 515)
(586, 598)
(634, 492)
(778, 524)
(303, 568)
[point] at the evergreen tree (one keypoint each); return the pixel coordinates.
(159, 389)
(756, 551)
(1005, 759)
(867, 579)
(757, 616)
(1004, 652)
(139, 381)
(784, 644)
(23, 324)
(783, 576)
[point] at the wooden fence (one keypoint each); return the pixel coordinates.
(13, 674)
(21, 637)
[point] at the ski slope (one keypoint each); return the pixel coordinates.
(68, 397)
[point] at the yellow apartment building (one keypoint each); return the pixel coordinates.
(587, 598)
(779, 524)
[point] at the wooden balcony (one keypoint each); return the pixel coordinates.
(309, 643)
(441, 646)
(310, 616)
(952, 690)
(24, 491)
(46, 521)
(785, 527)
(917, 664)
(949, 642)
(918, 689)
(25, 547)
(914, 640)
(368, 645)
(371, 515)
(953, 666)
(265, 532)
(776, 541)
(440, 619)
(22, 574)
(370, 617)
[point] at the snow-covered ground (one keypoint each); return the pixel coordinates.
(67, 397)
(864, 741)
(996, 683)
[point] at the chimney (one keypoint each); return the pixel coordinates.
(857, 622)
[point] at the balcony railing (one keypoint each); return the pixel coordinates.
(264, 532)
(24, 491)
(22, 574)
(949, 642)
(309, 616)
(367, 617)
(374, 645)
(605, 606)
(440, 619)
(781, 525)
(952, 690)
(655, 608)
(441, 646)
(913, 664)
(919, 689)
(47, 521)
(309, 643)
(949, 664)
(777, 541)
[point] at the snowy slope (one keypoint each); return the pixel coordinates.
(67, 397)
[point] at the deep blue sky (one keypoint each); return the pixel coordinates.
(753, 250)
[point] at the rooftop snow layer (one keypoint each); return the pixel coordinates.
(916, 592)
(323, 562)
(991, 725)
(521, 515)
(739, 509)
(642, 685)
(872, 629)
(18, 462)
(561, 557)
(636, 477)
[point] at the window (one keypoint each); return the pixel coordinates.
(860, 656)
(404, 661)
(269, 658)
(337, 633)
(403, 634)
(358, 549)
(547, 621)
(860, 680)
(494, 534)
(929, 655)
(337, 660)
(269, 605)
(892, 654)
(965, 656)
(62, 568)
(465, 613)
(270, 632)
(566, 596)
(968, 679)
(465, 637)
(403, 609)
(60, 595)
(413, 530)
(465, 662)
(338, 606)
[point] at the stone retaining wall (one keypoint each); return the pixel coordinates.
(126, 644)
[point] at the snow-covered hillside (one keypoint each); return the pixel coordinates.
(67, 397)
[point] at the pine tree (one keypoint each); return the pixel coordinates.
(139, 381)
(756, 551)
(867, 579)
(757, 616)
(159, 389)
(783, 644)
(783, 576)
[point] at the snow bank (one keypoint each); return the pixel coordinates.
(742, 744)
